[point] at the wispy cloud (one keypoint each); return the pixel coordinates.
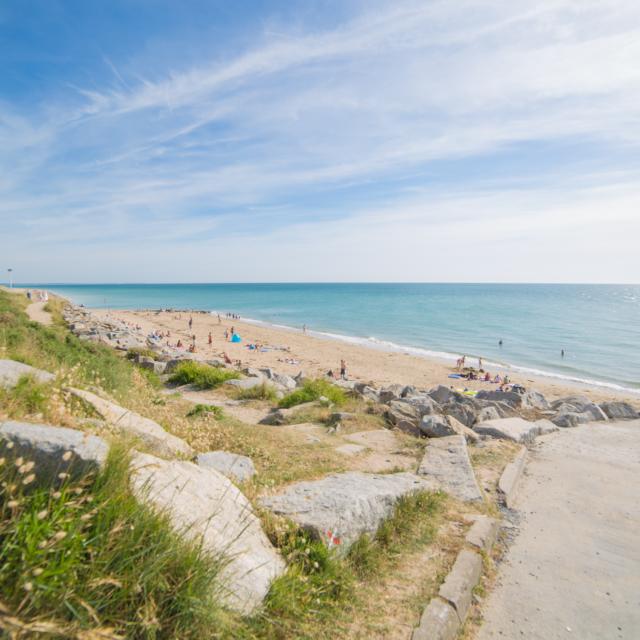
(471, 100)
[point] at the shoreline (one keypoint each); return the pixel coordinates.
(383, 363)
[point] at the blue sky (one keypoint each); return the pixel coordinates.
(477, 140)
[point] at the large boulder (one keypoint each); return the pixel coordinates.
(442, 394)
(340, 508)
(404, 417)
(278, 417)
(286, 382)
(132, 424)
(446, 466)
(54, 449)
(203, 505)
(443, 426)
(579, 404)
(567, 419)
(464, 412)
(515, 429)
(392, 392)
(11, 372)
(619, 410)
(245, 383)
(423, 403)
(489, 413)
(232, 465)
(511, 398)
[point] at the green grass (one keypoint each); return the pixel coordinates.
(87, 555)
(313, 390)
(28, 397)
(132, 354)
(201, 375)
(206, 410)
(56, 350)
(262, 391)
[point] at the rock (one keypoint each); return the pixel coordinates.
(340, 416)
(172, 365)
(404, 417)
(267, 372)
(47, 445)
(439, 621)
(392, 392)
(11, 371)
(515, 429)
(483, 533)
(459, 584)
(287, 382)
(300, 379)
(424, 405)
(204, 505)
(350, 449)
(245, 383)
(510, 477)
(278, 417)
(251, 372)
(152, 365)
(511, 398)
(442, 394)
(442, 426)
(232, 465)
(349, 385)
(619, 411)
(567, 419)
(132, 424)
(578, 405)
(535, 400)
(446, 466)
(369, 393)
(463, 412)
(340, 508)
(488, 413)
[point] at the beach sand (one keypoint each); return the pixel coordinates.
(315, 355)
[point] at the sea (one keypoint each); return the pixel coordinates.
(524, 327)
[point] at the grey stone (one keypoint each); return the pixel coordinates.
(567, 419)
(251, 372)
(619, 410)
(511, 398)
(203, 505)
(278, 417)
(46, 445)
(515, 429)
(508, 482)
(446, 466)
(463, 412)
(172, 365)
(579, 405)
(287, 382)
(392, 392)
(489, 413)
(344, 505)
(245, 383)
(232, 465)
(132, 424)
(153, 365)
(425, 405)
(11, 371)
(442, 394)
(460, 582)
(439, 621)
(483, 533)
(404, 417)
(535, 400)
(442, 426)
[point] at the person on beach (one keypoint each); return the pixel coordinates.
(210, 338)
(562, 353)
(226, 335)
(190, 323)
(343, 369)
(500, 342)
(479, 364)
(304, 328)
(219, 319)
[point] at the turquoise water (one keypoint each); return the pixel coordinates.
(598, 326)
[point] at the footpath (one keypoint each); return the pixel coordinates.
(573, 571)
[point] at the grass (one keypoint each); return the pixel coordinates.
(313, 390)
(28, 397)
(206, 410)
(321, 591)
(201, 375)
(132, 354)
(87, 555)
(56, 350)
(262, 391)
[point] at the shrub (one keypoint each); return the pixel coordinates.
(87, 555)
(206, 409)
(262, 391)
(132, 354)
(312, 390)
(27, 397)
(201, 375)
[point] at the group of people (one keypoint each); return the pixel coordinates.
(343, 371)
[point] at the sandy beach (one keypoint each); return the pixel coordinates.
(291, 351)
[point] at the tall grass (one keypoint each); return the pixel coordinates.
(201, 375)
(87, 555)
(262, 391)
(313, 390)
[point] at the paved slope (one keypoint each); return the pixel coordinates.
(574, 569)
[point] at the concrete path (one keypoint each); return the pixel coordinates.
(36, 312)
(573, 571)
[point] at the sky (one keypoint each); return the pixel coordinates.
(320, 140)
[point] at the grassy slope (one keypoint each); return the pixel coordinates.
(321, 595)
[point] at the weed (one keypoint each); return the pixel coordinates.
(262, 391)
(313, 390)
(201, 375)
(206, 410)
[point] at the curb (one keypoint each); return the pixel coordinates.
(446, 612)
(508, 483)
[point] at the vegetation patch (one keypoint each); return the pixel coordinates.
(314, 390)
(136, 352)
(262, 391)
(87, 555)
(206, 410)
(201, 375)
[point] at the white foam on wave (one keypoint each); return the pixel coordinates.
(386, 345)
